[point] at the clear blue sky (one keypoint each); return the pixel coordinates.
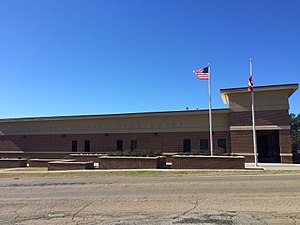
(73, 57)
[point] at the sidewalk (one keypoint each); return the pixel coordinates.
(273, 166)
(248, 167)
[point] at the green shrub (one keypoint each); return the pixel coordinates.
(218, 152)
(135, 153)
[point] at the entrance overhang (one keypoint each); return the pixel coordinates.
(263, 127)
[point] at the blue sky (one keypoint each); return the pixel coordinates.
(73, 57)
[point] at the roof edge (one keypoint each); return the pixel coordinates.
(225, 92)
(120, 115)
(275, 87)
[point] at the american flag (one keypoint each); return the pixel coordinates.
(250, 84)
(202, 74)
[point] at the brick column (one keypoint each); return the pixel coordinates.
(242, 144)
(285, 146)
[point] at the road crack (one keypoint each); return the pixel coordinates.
(194, 207)
(84, 207)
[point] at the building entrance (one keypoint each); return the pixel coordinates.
(268, 146)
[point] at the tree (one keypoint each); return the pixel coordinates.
(295, 131)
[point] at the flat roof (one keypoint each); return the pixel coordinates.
(224, 95)
(121, 115)
(225, 92)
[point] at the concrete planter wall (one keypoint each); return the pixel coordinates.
(69, 165)
(40, 162)
(13, 163)
(12, 154)
(168, 156)
(208, 162)
(124, 162)
(85, 157)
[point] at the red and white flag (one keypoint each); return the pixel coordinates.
(250, 84)
(202, 74)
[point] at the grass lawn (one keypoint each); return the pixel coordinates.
(42, 172)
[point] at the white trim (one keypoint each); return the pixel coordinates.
(286, 154)
(264, 127)
(242, 154)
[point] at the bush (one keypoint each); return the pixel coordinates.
(295, 131)
(135, 153)
(201, 152)
(218, 151)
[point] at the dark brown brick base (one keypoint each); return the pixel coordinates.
(13, 163)
(63, 165)
(40, 162)
(131, 162)
(286, 159)
(208, 162)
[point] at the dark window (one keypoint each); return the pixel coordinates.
(203, 144)
(133, 145)
(119, 145)
(74, 146)
(87, 145)
(186, 145)
(222, 144)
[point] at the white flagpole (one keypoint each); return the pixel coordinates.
(210, 115)
(253, 118)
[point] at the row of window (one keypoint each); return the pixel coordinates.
(134, 145)
(87, 145)
(203, 144)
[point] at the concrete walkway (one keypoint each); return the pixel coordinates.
(248, 166)
(273, 166)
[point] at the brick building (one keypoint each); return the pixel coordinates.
(177, 131)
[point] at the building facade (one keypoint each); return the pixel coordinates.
(177, 131)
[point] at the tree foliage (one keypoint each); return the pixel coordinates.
(294, 118)
(295, 131)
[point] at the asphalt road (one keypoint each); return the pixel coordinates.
(151, 200)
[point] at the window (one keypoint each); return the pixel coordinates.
(87, 145)
(133, 144)
(186, 145)
(203, 144)
(119, 145)
(222, 144)
(74, 146)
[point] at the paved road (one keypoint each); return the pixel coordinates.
(152, 200)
